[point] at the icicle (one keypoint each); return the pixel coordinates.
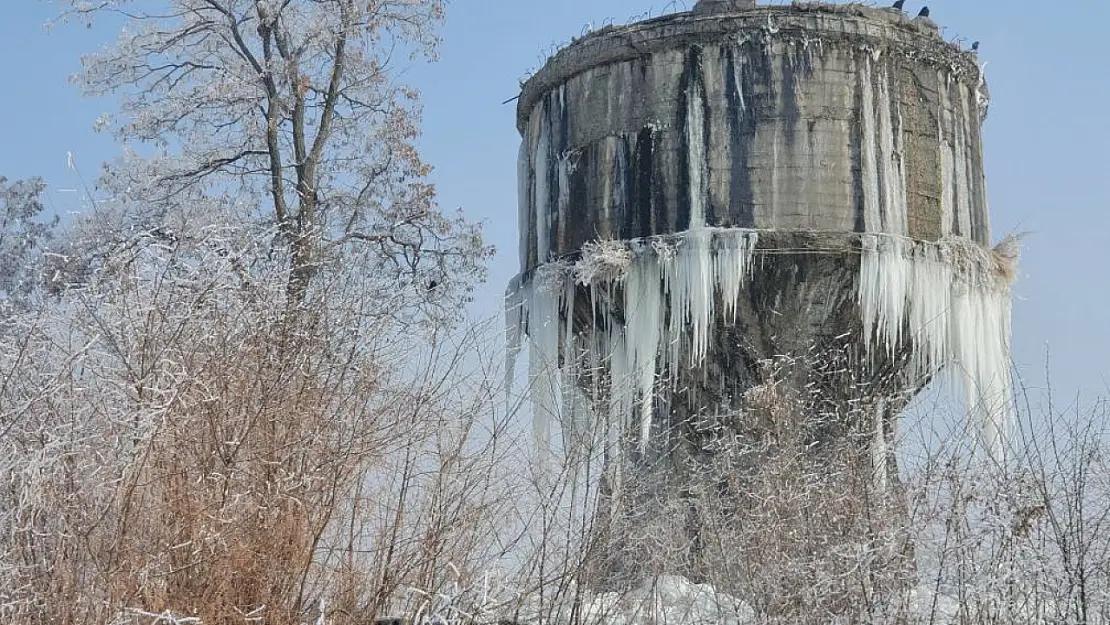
(981, 341)
(524, 195)
(870, 279)
(738, 83)
(884, 289)
(690, 289)
(643, 309)
(620, 183)
(948, 158)
(879, 449)
(657, 275)
(543, 361)
(542, 195)
(697, 159)
(963, 161)
(982, 97)
(930, 303)
(732, 268)
(570, 417)
(620, 402)
(620, 382)
(955, 306)
(947, 301)
(564, 167)
(620, 406)
(894, 176)
(872, 221)
(515, 308)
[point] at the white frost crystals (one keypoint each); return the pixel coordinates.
(654, 304)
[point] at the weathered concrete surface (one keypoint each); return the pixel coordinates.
(811, 117)
(721, 6)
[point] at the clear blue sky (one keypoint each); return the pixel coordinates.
(1046, 139)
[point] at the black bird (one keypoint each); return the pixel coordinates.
(898, 5)
(924, 12)
(975, 47)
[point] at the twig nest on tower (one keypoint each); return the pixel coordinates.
(603, 261)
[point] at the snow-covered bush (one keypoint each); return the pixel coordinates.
(173, 440)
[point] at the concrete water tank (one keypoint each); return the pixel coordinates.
(708, 193)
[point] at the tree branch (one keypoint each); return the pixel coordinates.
(273, 121)
(333, 85)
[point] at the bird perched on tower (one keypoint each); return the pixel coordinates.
(975, 47)
(899, 4)
(924, 12)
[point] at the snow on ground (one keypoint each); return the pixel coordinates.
(667, 600)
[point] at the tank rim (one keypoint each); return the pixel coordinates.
(918, 38)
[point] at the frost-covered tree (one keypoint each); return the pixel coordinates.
(23, 234)
(292, 108)
(247, 397)
(169, 446)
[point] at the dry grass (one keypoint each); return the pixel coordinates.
(179, 448)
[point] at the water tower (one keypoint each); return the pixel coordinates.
(741, 199)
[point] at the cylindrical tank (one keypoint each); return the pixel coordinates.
(741, 199)
(805, 117)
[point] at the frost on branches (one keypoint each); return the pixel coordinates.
(294, 106)
(23, 235)
(654, 304)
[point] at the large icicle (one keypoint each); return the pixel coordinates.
(698, 161)
(948, 156)
(870, 165)
(880, 450)
(544, 297)
(541, 194)
(524, 199)
(894, 211)
(885, 202)
(682, 274)
(732, 256)
(515, 309)
(690, 289)
(953, 299)
(643, 310)
(962, 161)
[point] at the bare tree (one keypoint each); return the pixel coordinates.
(293, 109)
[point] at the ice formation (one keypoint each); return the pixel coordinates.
(668, 289)
(949, 300)
(884, 175)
